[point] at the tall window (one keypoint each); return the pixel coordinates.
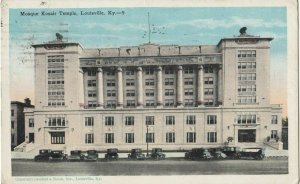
(129, 137)
(211, 119)
(273, 134)
(89, 121)
(12, 124)
(211, 136)
(190, 137)
(274, 119)
(109, 121)
(31, 122)
(170, 120)
(89, 138)
(191, 119)
(12, 112)
(109, 138)
(129, 120)
(149, 120)
(170, 137)
(150, 137)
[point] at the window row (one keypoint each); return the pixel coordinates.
(246, 76)
(246, 119)
(246, 53)
(56, 59)
(56, 82)
(246, 88)
(247, 65)
(247, 99)
(56, 121)
(56, 103)
(57, 71)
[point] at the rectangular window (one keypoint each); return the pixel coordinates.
(150, 103)
(92, 73)
(110, 73)
(188, 70)
(189, 92)
(56, 137)
(149, 71)
(89, 138)
(12, 138)
(246, 76)
(211, 136)
(129, 82)
(246, 99)
(170, 137)
(110, 82)
(56, 59)
(246, 119)
(92, 93)
(129, 72)
(169, 102)
(190, 137)
(170, 120)
(150, 137)
(129, 137)
(92, 104)
(111, 93)
(169, 71)
(188, 81)
(110, 104)
(169, 92)
(191, 119)
(109, 121)
(246, 88)
(274, 134)
(208, 80)
(130, 103)
(56, 121)
(149, 120)
(89, 121)
(247, 135)
(189, 102)
(274, 119)
(149, 92)
(129, 120)
(208, 70)
(12, 112)
(149, 82)
(208, 91)
(211, 119)
(31, 122)
(12, 124)
(130, 93)
(246, 53)
(109, 138)
(92, 83)
(169, 81)
(246, 65)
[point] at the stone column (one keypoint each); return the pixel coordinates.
(120, 87)
(81, 88)
(100, 87)
(140, 92)
(200, 95)
(220, 85)
(179, 87)
(159, 97)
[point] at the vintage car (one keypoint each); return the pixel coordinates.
(136, 154)
(112, 154)
(217, 153)
(92, 155)
(58, 155)
(198, 154)
(76, 155)
(232, 152)
(157, 154)
(253, 153)
(44, 155)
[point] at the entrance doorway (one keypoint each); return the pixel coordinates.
(31, 137)
(57, 137)
(246, 135)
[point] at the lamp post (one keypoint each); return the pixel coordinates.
(147, 140)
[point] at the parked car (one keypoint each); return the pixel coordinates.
(92, 155)
(44, 155)
(198, 154)
(136, 154)
(217, 153)
(157, 154)
(255, 153)
(232, 152)
(112, 154)
(58, 155)
(76, 155)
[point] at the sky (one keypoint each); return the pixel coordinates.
(129, 27)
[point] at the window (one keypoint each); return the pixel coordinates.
(92, 83)
(111, 92)
(190, 137)
(149, 71)
(189, 92)
(246, 119)
(246, 76)
(246, 135)
(208, 91)
(188, 70)
(169, 71)
(211, 136)
(169, 102)
(208, 70)
(56, 121)
(130, 103)
(169, 81)
(89, 121)
(189, 102)
(110, 82)
(130, 93)
(188, 81)
(247, 99)
(211, 119)
(109, 121)
(110, 104)
(31, 122)
(191, 119)
(92, 93)
(170, 137)
(110, 73)
(129, 82)
(170, 120)
(129, 120)
(56, 59)
(246, 65)
(273, 134)
(150, 137)
(169, 92)
(246, 88)
(12, 124)
(92, 73)
(208, 80)
(89, 138)
(129, 72)
(149, 92)
(56, 137)
(150, 103)
(274, 119)
(12, 112)
(109, 138)
(149, 120)
(129, 137)
(92, 104)
(246, 53)
(12, 138)
(149, 82)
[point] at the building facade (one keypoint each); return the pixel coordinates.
(173, 97)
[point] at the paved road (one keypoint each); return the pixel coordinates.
(148, 167)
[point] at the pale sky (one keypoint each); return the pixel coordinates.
(182, 26)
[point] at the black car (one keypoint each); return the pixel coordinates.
(44, 155)
(57, 155)
(76, 155)
(112, 154)
(157, 154)
(217, 153)
(136, 154)
(254, 153)
(232, 152)
(92, 155)
(198, 154)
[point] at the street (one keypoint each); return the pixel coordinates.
(149, 167)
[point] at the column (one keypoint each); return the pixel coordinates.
(140, 92)
(220, 85)
(81, 88)
(179, 87)
(159, 99)
(120, 87)
(100, 87)
(200, 99)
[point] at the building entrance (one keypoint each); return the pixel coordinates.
(57, 137)
(246, 135)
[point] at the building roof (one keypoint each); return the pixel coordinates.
(21, 104)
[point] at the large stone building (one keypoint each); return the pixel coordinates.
(183, 96)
